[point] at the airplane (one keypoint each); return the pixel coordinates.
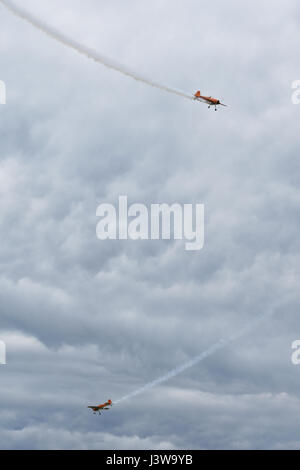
(208, 99)
(99, 408)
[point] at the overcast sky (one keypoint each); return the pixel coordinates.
(85, 320)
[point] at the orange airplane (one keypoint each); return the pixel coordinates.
(100, 408)
(208, 99)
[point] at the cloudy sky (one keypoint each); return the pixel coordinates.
(85, 320)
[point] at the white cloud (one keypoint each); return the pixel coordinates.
(85, 320)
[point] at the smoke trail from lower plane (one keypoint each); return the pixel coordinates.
(208, 352)
(90, 53)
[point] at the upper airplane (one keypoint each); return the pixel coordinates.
(99, 408)
(208, 99)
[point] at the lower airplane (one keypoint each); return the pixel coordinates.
(208, 100)
(99, 408)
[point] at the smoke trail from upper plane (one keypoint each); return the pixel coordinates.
(90, 53)
(208, 352)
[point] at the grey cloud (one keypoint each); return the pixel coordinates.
(86, 320)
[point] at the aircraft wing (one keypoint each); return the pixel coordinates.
(202, 100)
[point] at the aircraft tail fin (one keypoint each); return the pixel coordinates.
(198, 94)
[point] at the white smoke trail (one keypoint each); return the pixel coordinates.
(208, 352)
(90, 53)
